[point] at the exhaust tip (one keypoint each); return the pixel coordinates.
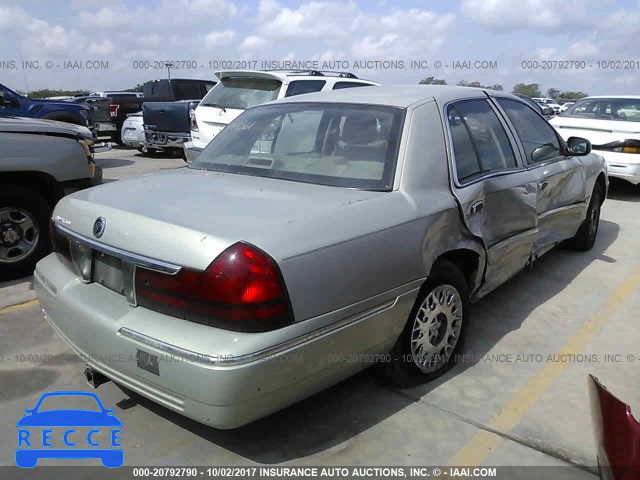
(94, 378)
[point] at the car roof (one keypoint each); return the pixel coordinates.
(627, 97)
(288, 75)
(401, 96)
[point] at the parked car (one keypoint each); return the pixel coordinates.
(103, 124)
(111, 93)
(565, 106)
(360, 234)
(548, 102)
(133, 134)
(166, 90)
(611, 124)
(167, 125)
(40, 162)
(12, 104)
(241, 89)
(543, 109)
(616, 432)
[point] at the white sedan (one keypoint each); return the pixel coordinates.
(612, 124)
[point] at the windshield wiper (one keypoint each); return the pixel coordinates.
(216, 105)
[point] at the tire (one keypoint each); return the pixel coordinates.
(409, 364)
(25, 214)
(116, 137)
(585, 237)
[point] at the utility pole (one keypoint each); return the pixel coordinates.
(169, 66)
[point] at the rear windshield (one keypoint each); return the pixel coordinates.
(619, 109)
(339, 144)
(241, 93)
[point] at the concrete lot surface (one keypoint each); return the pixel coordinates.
(519, 398)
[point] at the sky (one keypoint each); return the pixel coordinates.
(579, 45)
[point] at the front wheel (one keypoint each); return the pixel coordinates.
(434, 333)
(24, 238)
(585, 237)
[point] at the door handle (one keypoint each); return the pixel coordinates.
(476, 207)
(543, 185)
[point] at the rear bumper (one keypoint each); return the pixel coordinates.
(132, 137)
(191, 152)
(227, 388)
(622, 165)
(108, 127)
(165, 139)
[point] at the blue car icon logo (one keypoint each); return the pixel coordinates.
(81, 433)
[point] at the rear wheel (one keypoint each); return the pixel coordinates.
(24, 233)
(585, 237)
(116, 137)
(434, 333)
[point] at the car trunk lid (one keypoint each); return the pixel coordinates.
(188, 217)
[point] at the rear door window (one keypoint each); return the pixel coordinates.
(480, 143)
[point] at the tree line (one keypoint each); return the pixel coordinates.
(529, 89)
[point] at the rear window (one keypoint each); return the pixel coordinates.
(339, 144)
(241, 93)
(619, 109)
(188, 90)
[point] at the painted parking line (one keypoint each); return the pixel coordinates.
(484, 442)
(19, 306)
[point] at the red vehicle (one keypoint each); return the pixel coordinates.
(617, 434)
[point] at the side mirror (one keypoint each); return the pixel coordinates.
(544, 152)
(578, 146)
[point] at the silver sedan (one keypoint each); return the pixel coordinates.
(314, 237)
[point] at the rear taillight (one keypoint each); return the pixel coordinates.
(192, 119)
(113, 109)
(241, 290)
(60, 244)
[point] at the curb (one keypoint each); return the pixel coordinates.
(16, 291)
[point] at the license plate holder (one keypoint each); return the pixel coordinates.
(115, 274)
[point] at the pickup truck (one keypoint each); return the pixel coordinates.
(40, 162)
(167, 125)
(103, 124)
(12, 104)
(165, 90)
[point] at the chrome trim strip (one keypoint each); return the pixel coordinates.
(139, 260)
(260, 355)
